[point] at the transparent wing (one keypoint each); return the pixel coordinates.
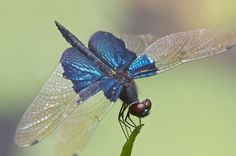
(75, 80)
(55, 101)
(136, 43)
(76, 130)
(182, 47)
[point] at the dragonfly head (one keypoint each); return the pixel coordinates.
(140, 109)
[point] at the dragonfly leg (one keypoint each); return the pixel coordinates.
(140, 121)
(125, 128)
(123, 124)
(129, 121)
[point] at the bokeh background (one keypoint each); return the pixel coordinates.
(194, 105)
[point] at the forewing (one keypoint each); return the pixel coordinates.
(182, 47)
(77, 129)
(111, 50)
(178, 48)
(136, 43)
(75, 80)
(55, 101)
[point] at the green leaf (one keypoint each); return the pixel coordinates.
(127, 148)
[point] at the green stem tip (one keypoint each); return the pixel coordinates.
(127, 148)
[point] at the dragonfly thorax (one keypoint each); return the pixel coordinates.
(129, 92)
(123, 78)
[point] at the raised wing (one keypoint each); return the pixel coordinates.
(111, 50)
(179, 48)
(77, 129)
(136, 43)
(73, 82)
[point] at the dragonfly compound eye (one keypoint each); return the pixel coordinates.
(139, 109)
(148, 103)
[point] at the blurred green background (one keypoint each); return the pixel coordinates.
(194, 105)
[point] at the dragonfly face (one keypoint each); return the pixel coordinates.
(88, 81)
(140, 109)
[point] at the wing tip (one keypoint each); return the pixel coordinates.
(21, 144)
(21, 141)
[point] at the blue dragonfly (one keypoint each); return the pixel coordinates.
(89, 80)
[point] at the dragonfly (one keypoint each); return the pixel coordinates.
(88, 80)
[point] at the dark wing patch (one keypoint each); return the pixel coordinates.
(143, 66)
(81, 71)
(112, 88)
(111, 50)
